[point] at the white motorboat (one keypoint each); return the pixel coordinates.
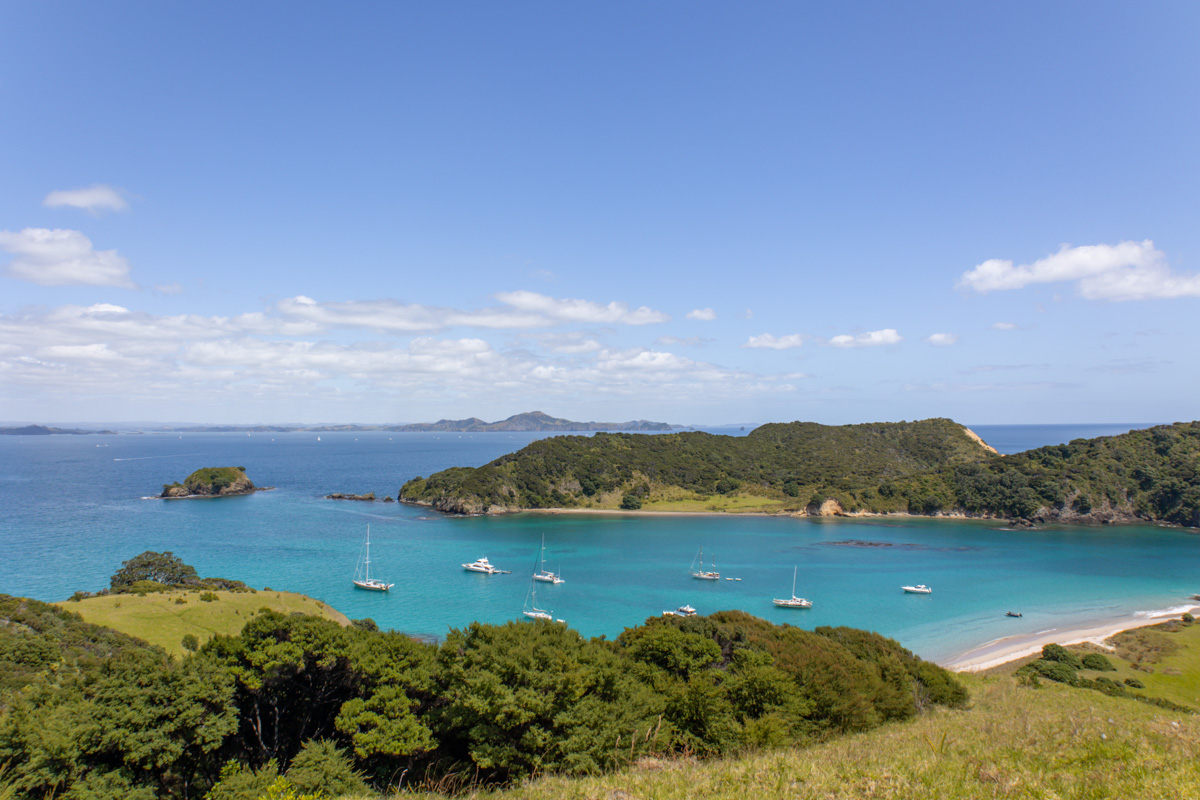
(542, 574)
(482, 565)
(682, 611)
(920, 588)
(794, 602)
(362, 573)
(701, 574)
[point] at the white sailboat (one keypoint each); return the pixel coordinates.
(531, 609)
(794, 602)
(362, 574)
(542, 574)
(700, 574)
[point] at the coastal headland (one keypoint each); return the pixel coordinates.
(932, 467)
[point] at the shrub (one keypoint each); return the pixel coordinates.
(208, 597)
(1056, 652)
(1134, 683)
(1098, 662)
(321, 768)
(631, 502)
(1054, 670)
(1188, 619)
(190, 642)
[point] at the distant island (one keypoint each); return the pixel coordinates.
(43, 430)
(529, 421)
(212, 482)
(933, 467)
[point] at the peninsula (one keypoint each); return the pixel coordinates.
(212, 482)
(933, 467)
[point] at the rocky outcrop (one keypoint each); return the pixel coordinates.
(212, 482)
(369, 497)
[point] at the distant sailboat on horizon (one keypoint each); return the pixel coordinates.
(364, 569)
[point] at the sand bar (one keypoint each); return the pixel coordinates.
(1010, 648)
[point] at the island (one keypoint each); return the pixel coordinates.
(529, 421)
(212, 482)
(44, 430)
(933, 467)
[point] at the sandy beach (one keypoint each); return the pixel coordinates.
(1011, 648)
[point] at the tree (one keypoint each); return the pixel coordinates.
(164, 568)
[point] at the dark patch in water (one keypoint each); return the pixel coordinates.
(902, 546)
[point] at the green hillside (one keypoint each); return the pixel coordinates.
(929, 467)
(165, 618)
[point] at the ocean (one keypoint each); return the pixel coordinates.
(75, 507)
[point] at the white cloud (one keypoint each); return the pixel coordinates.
(168, 288)
(1125, 271)
(1003, 326)
(702, 314)
(63, 258)
(523, 310)
(93, 199)
(942, 339)
(568, 310)
(771, 342)
(870, 339)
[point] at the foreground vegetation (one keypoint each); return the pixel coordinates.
(1014, 741)
(306, 705)
(929, 467)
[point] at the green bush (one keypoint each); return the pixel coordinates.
(321, 768)
(1056, 652)
(190, 642)
(1098, 662)
(208, 597)
(1134, 683)
(631, 502)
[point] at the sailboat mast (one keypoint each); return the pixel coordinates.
(367, 562)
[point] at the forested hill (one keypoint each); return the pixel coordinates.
(931, 467)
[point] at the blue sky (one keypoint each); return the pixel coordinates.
(693, 212)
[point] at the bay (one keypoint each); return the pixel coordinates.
(75, 507)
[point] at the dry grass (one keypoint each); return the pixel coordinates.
(159, 619)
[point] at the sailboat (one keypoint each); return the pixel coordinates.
(701, 575)
(531, 609)
(542, 574)
(364, 568)
(794, 602)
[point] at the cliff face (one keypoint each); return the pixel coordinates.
(212, 482)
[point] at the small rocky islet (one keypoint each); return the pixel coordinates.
(212, 482)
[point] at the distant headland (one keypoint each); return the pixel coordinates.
(933, 467)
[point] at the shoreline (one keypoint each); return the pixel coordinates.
(1012, 648)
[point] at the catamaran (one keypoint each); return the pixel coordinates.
(794, 602)
(542, 574)
(362, 573)
(701, 575)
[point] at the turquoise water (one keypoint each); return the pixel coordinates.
(75, 507)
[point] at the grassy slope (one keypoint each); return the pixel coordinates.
(159, 619)
(1052, 742)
